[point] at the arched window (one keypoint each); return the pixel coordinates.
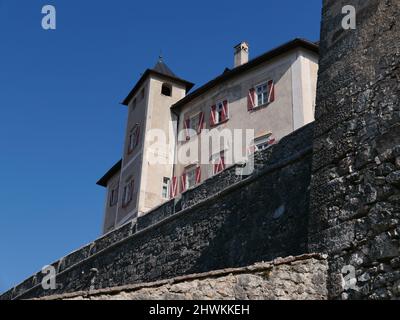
(166, 89)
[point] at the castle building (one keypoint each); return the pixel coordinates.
(273, 94)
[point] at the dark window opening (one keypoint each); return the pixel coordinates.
(166, 90)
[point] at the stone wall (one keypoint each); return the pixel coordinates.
(229, 221)
(355, 198)
(292, 278)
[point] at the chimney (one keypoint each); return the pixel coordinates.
(241, 54)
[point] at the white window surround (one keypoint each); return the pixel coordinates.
(262, 142)
(194, 124)
(127, 195)
(219, 112)
(261, 94)
(218, 159)
(190, 176)
(165, 192)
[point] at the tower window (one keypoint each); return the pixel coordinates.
(166, 90)
(134, 138)
(128, 192)
(113, 197)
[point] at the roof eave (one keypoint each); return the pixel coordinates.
(188, 85)
(110, 173)
(245, 67)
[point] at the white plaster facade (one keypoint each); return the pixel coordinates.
(292, 68)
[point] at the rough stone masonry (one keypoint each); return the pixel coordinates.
(292, 278)
(355, 189)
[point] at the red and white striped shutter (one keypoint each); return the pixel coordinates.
(222, 163)
(251, 150)
(174, 187)
(186, 125)
(198, 175)
(272, 141)
(215, 167)
(183, 182)
(201, 123)
(271, 91)
(251, 97)
(225, 110)
(212, 115)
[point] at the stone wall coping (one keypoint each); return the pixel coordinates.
(255, 268)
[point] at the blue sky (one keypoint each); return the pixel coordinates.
(61, 124)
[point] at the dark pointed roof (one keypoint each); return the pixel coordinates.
(161, 70)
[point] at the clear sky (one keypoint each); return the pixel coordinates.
(61, 124)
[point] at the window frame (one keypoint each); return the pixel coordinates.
(134, 138)
(168, 186)
(127, 196)
(216, 162)
(265, 94)
(166, 85)
(195, 116)
(113, 197)
(192, 169)
(220, 104)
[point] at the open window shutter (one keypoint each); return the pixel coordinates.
(272, 141)
(222, 163)
(251, 99)
(174, 187)
(225, 110)
(183, 182)
(132, 189)
(216, 166)
(201, 123)
(198, 175)
(116, 195)
(212, 115)
(187, 126)
(271, 91)
(137, 136)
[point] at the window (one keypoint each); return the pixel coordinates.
(128, 193)
(219, 113)
(194, 125)
(142, 93)
(165, 188)
(166, 90)
(134, 104)
(263, 142)
(218, 162)
(113, 197)
(190, 178)
(261, 95)
(134, 138)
